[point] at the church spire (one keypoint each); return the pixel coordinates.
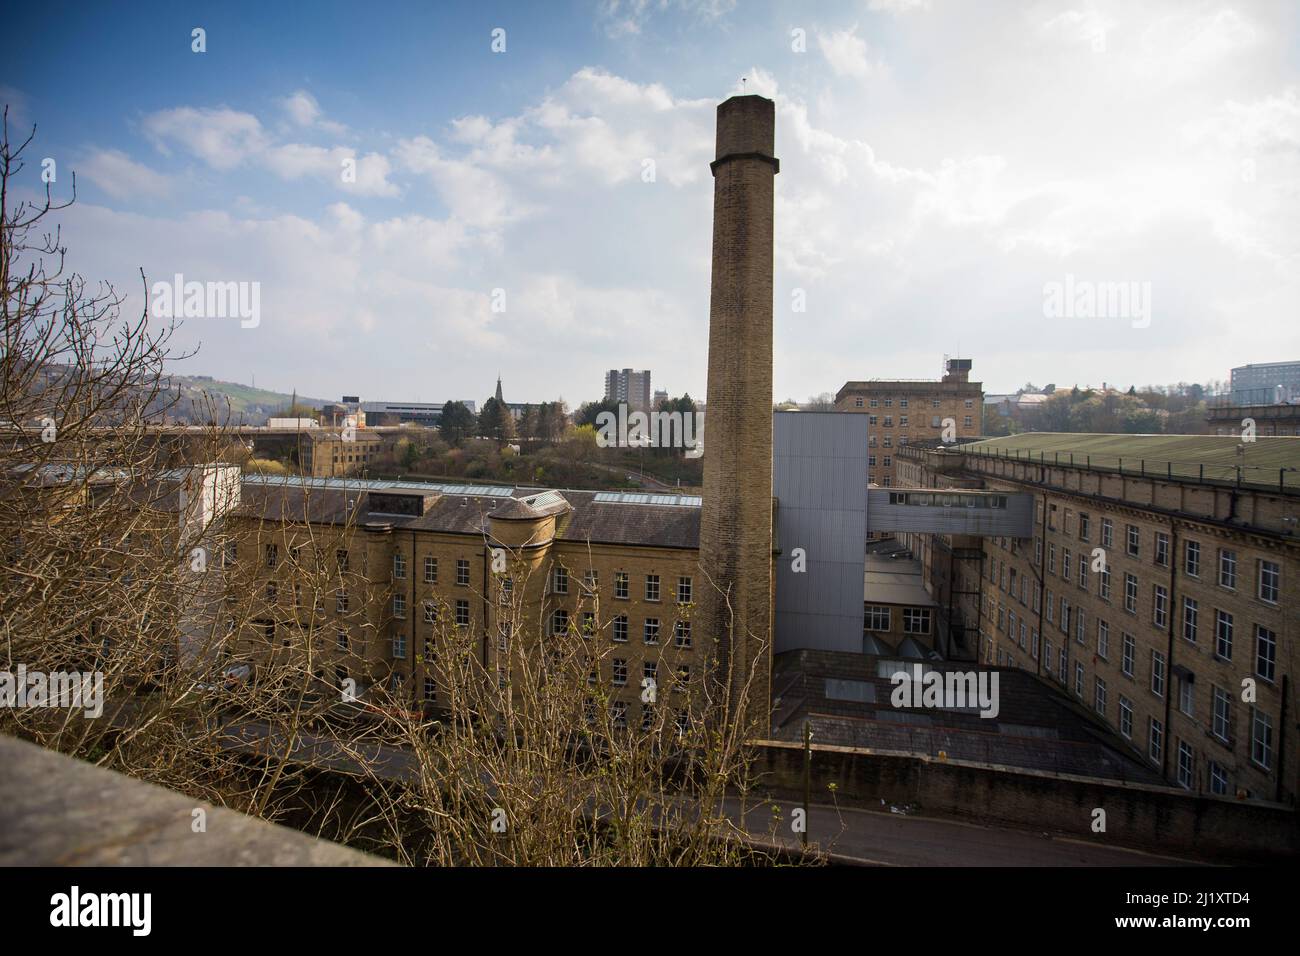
(499, 398)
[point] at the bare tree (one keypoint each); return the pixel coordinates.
(113, 530)
(533, 761)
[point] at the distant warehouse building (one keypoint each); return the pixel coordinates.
(400, 413)
(330, 453)
(1265, 383)
(903, 410)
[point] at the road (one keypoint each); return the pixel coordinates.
(648, 482)
(891, 839)
(850, 835)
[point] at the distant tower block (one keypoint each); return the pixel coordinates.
(736, 519)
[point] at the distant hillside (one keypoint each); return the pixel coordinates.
(246, 404)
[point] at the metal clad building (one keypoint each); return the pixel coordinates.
(819, 478)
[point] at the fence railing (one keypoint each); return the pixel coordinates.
(1273, 478)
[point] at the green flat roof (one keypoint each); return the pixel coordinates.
(1267, 461)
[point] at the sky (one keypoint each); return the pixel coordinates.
(421, 212)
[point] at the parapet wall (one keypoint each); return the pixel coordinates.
(1159, 819)
(59, 811)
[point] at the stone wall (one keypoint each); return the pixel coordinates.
(1151, 818)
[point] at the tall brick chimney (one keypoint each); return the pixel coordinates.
(736, 519)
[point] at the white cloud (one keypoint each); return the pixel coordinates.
(897, 7)
(303, 110)
(123, 178)
(623, 18)
(564, 306)
(418, 289)
(1080, 27)
(294, 160)
(314, 274)
(597, 130)
(1267, 125)
(1185, 43)
(608, 127)
(372, 176)
(366, 175)
(474, 195)
(223, 138)
(301, 107)
(846, 53)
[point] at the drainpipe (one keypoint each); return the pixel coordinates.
(951, 581)
(1042, 594)
(1169, 652)
(410, 610)
(1280, 790)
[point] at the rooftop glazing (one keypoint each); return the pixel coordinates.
(373, 484)
(535, 496)
(640, 498)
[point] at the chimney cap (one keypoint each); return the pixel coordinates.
(746, 129)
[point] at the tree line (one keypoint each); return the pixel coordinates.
(1153, 409)
(547, 422)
